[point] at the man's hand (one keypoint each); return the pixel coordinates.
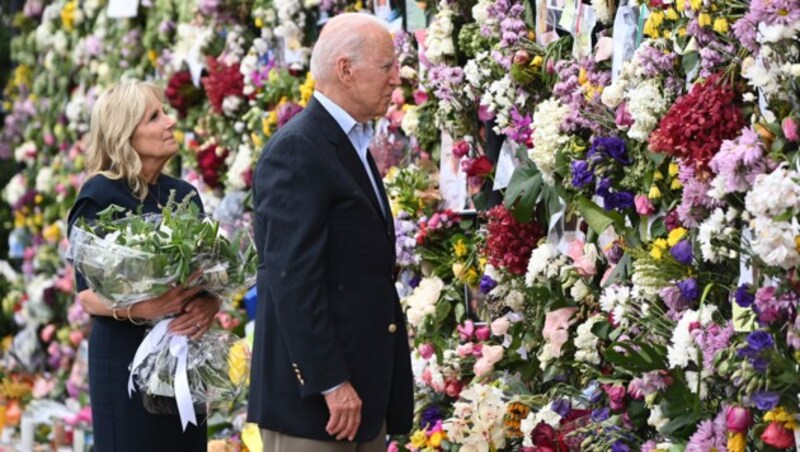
(344, 405)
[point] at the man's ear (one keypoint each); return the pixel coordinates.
(344, 69)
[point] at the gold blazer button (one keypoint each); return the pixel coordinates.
(392, 327)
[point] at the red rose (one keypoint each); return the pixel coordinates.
(544, 438)
(776, 435)
(480, 167)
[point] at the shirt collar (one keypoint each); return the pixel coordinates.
(345, 121)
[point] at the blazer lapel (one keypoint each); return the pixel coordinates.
(387, 212)
(346, 152)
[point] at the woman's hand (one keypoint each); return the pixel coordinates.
(169, 303)
(197, 317)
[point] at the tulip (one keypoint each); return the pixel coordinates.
(738, 419)
(776, 435)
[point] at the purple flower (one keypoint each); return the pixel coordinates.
(619, 446)
(710, 435)
(759, 340)
(561, 406)
(682, 252)
(430, 416)
(600, 414)
(581, 174)
(766, 401)
(743, 296)
(612, 147)
(689, 290)
(487, 284)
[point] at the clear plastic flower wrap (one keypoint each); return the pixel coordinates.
(173, 373)
(138, 257)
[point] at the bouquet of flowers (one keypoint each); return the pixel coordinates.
(138, 257)
(178, 376)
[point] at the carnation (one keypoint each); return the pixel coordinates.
(509, 242)
(695, 126)
(547, 137)
(422, 302)
(545, 263)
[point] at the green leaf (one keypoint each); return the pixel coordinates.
(442, 311)
(460, 312)
(523, 191)
(601, 329)
(689, 61)
(597, 218)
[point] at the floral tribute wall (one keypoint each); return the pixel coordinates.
(597, 205)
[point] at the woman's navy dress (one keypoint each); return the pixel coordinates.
(121, 422)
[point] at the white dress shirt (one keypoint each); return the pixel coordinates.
(359, 134)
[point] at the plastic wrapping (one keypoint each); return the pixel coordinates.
(140, 257)
(216, 370)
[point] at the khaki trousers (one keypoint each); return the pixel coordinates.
(279, 442)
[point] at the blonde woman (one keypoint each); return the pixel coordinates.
(131, 139)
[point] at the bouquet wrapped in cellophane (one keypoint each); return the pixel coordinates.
(138, 257)
(176, 375)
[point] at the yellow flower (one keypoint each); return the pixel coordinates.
(781, 415)
(696, 4)
(657, 175)
(458, 271)
(666, 34)
(537, 61)
(306, 90)
(672, 14)
(675, 236)
(259, 22)
(583, 77)
(238, 357)
(704, 20)
(721, 25)
(797, 243)
(419, 439)
(38, 199)
(682, 32)
(19, 219)
(653, 23)
(460, 248)
(673, 169)
(482, 263)
(659, 246)
(655, 193)
(152, 55)
(436, 439)
(22, 76)
(472, 278)
(681, 5)
(736, 442)
(359, 5)
(676, 184)
(68, 15)
(52, 233)
(179, 136)
(257, 141)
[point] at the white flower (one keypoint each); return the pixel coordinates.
(657, 419)
(545, 263)
(616, 299)
(603, 12)
(682, 349)
(547, 137)
(692, 378)
(16, 189)
(515, 300)
(646, 105)
(478, 419)
(772, 194)
(526, 426)
(45, 180)
(439, 38)
(230, 104)
(422, 302)
(410, 122)
(579, 291)
(586, 341)
(26, 153)
(548, 416)
(408, 73)
(190, 42)
(774, 242)
(242, 162)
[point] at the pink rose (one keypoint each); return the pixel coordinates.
(493, 353)
(49, 139)
(392, 447)
(643, 205)
(426, 350)
(75, 337)
(616, 394)
(426, 376)
(738, 419)
(398, 97)
(482, 333)
(465, 331)
(500, 326)
(460, 148)
(575, 250)
(464, 350)
(420, 97)
(789, 126)
(453, 388)
(483, 367)
(555, 328)
(47, 333)
(776, 435)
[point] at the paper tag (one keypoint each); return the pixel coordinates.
(568, 16)
(624, 39)
(506, 164)
(120, 9)
(196, 65)
(452, 180)
(415, 17)
(584, 24)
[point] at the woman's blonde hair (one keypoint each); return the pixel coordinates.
(115, 116)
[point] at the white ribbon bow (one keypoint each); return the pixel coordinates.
(158, 338)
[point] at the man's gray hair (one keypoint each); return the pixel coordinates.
(341, 35)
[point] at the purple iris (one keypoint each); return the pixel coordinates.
(682, 252)
(689, 290)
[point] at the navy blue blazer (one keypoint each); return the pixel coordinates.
(328, 310)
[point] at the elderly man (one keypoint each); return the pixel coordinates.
(331, 367)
